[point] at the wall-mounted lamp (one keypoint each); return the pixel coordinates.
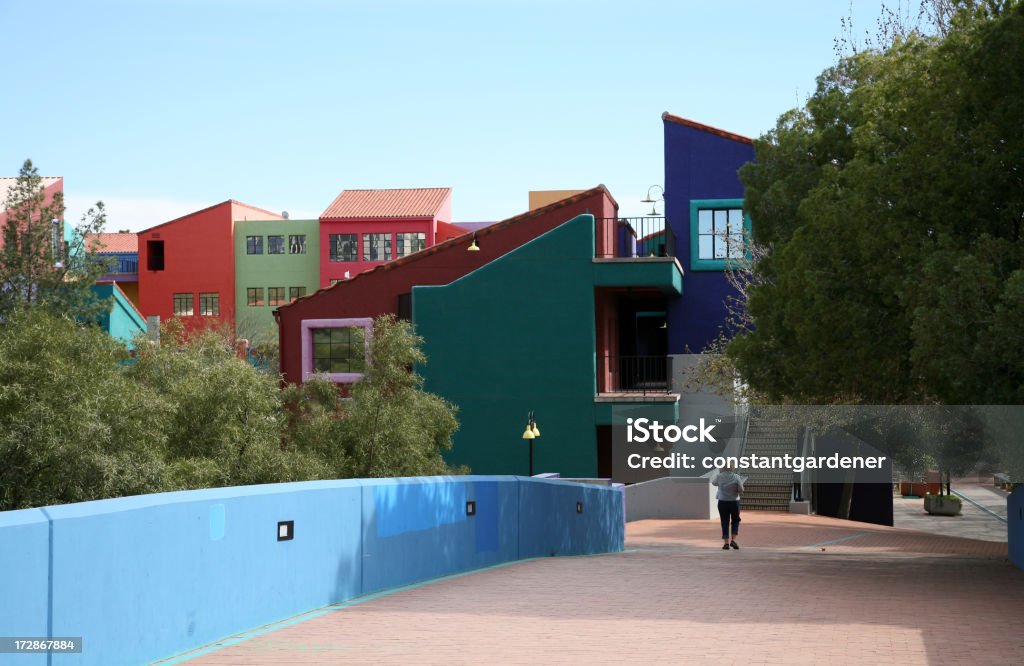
(473, 247)
(651, 200)
(648, 198)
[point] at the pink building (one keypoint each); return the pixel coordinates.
(52, 186)
(362, 229)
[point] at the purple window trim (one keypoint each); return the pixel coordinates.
(366, 323)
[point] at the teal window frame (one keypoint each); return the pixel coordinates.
(696, 263)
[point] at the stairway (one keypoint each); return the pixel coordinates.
(766, 489)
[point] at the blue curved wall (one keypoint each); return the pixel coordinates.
(1015, 526)
(145, 578)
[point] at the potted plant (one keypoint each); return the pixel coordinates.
(943, 505)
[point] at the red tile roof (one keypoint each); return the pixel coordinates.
(705, 128)
(413, 202)
(112, 242)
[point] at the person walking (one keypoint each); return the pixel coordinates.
(730, 487)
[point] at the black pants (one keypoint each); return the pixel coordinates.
(729, 510)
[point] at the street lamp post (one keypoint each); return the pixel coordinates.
(531, 433)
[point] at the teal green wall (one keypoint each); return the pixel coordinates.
(272, 270)
(513, 336)
(123, 322)
(663, 273)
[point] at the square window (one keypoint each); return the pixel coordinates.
(296, 293)
(344, 247)
(297, 244)
(275, 295)
(183, 305)
(338, 347)
(254, 296)
(209, 305)
(717, 233)
(409, 243)
(254, 244)
(275, 244)
(376, 247)
(339, 350)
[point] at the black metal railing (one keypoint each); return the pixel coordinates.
(629, 237)
(633, 374)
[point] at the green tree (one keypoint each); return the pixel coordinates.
(36, 269)
(225, 423)
(79, 420)
(891, 206)
(73, 427)
(385, 424)
(392, 426)
(314, 411)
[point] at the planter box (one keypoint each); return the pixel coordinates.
(919, 488)
(942, 505)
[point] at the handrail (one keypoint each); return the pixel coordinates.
(633, 374)
(634, 237)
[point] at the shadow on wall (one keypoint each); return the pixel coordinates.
(147, 577)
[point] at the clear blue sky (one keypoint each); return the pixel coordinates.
(162, 107)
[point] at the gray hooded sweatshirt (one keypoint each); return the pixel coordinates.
(730, 486)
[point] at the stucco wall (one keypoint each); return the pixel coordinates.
(672, 497)
(698, 165)
(513, 336)
(145, 578)
(272, 270)
(123, 322)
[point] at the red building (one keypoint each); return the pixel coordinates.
(362, 229)
(387, 288)
(187, 267)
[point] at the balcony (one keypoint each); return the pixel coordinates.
(639, 381)
(125, 265)
(637, 252)
(635, 237)
(120, 268)
(634, 374)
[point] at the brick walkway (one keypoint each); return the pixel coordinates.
(803, 589)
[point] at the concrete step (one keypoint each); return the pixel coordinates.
(767, 507)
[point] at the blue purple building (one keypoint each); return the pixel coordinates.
(703, 205)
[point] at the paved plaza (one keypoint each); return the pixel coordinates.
(983, 515)
(803, 589)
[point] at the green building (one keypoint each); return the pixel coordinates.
(534, 330)
(276, 261)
